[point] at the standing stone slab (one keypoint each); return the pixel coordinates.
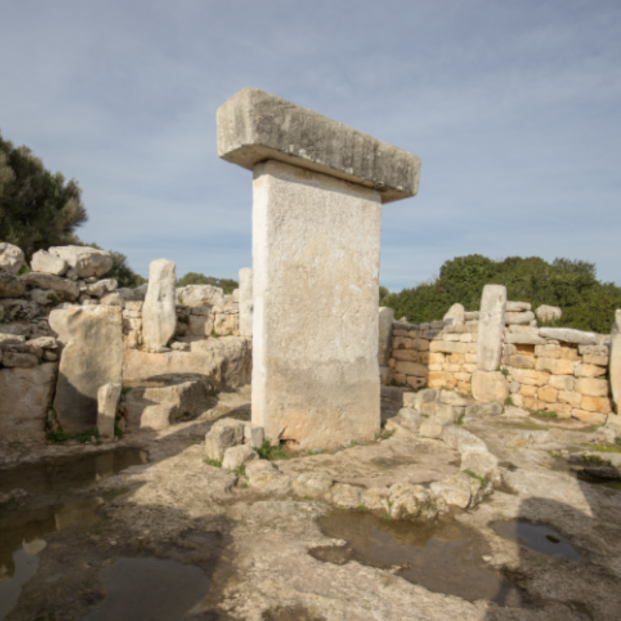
(316, 245)
(491, 326)
(246, 303)
(92, 355)
(107, 402)
(386, 317)
(159, 317)
(615, 361)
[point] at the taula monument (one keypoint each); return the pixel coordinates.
(318, 190)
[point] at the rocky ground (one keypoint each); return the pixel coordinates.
(272, 552)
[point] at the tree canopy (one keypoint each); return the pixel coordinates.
(38, 209)
(194, 278)
(587, 304)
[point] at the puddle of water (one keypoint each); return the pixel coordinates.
(600, 475)
(63, 473)
(537, 537)
(149, 588)
(443, 556)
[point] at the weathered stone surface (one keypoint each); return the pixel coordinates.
(453, 491)
(237, 456)
(11, 286)
(315, 371)
(159, 317)
(569, 335)
(411, 368)
(410, 419)
(66, 289)
(25, 394)
(253, 435)
(11, 258)
(101, 287)
(312, 484)
(224, 434)
(112, 299)
(345, 496)
(555, 366)
(491, 327)
(441, 411)
(200, 295)
(433, 427)
(489, 386)
(452, 398)
(589, 370)
(386, 317)
(266, 477)
(46, 263)
(615, 361)
(92, 355)
(457, 314)
(525, 337)
(107, 402)
(84, 260)
(19, 359)
(548, 313)
(517, 307)
(246, 301)
(410, 501)
(254, 126)
(519, 319)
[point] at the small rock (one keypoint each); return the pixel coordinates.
(46, 263)
(237, 456)
(312, 484)
(410, 419)
(411, 501)
(254, 435)
(433, 428)
(11, 258)
(11, 286)
(263, 475)
(225, 433)
(452, 398)
(346, 496)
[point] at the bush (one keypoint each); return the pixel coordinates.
(193, 278)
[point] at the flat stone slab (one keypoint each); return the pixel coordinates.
(254, 126)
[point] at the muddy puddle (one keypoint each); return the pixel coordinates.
(149, 588)
(443, 556)
(593, 471)
(539, 537)
(23, 531)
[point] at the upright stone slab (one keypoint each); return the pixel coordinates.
(386, 317)
(317, 196)
(246, 303)
(159, 317)
(615, 361)
(92, 355)
(491, 326)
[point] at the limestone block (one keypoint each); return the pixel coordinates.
(591, 418)
(62, 287)
(92, 355)
(266, 477)
(246, 302)
(489, 386)
(523, 362)
(237, 456)
(519, 319)
(315, 339)
(19, 359)
(101, 287)
(410, 419)
(438, 379)
(386, 317)
(312, 484)
(457, 314)
(11, 286)
(411, 368)
(589, 370)
(574, 399)
(44, 262)
(529, 336)
(422, 345)
(253, 435)
(254, 126)
(200, 295)
(435, 358)
(452, 398)
(532, 403)
(562, 382)
(26, 393)
(529, 377)
(224, 433)
(615, 361)
(84, 260)
(482, 463)
(452, 493)
(11, 258)
(417, 399)
(596, 404)
(200, 325)
(569, 353)
(569, 335)
(518, 307)
(548, 394)
(449, 347)
(548, 313)
(107, 402)
(601, 361)
(410, 355)
(399, 378)
(159, 317)
(556, 366)
(440, 411)
(225, 324)
(433, 427)
(491, 327)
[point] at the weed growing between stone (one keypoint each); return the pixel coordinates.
(216, 463)
(88, 435)
(545, 413)
(605, 448)
(479, 478)
(272, 453)
(509, 402)
(460, 420)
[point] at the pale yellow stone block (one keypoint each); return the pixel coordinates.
(556, 366)
(562, 409)
(531, 403)
(592, 387)
(589, 370)
(457, 358)
(529, 377)
(601, 361)
(471, 358)
(441, 380)
(592, 418)
(569, 353)
(464, 387)
(562, 382)
(451, 337)
(465, 338)
(436, 367)
(547, 394)
(406, 354)
(436, 358)
(596, 404)
(469, 368)
(528, 391)
(574, 399)
(463, 377)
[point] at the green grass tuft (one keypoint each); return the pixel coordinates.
(272, 453)
(216, 463)
(479, 478)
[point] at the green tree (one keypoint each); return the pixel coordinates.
(125, 275)
(194, 278)
(38, 209)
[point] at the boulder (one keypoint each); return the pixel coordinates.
(26, 393)
(100, 287)
(159, 317)
(224, 433)
(62, 287)
(266, 477)
(456, 314)
(46, 263)
(107, 402)
(407, 501)
(615, 361)
(11, 258)
(452, 398)
(548, 313)
(489, 386)
(92, 355)
(491, 327)
(237, 456)
(312, 484)
(386, 317)
(11, 286)
(200, 295)
(454, 491)
(433, 427)
(84, 260)
(246, 301)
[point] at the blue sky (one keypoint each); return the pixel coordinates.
(513, 107)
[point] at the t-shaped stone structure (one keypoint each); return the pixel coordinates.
(318, 191)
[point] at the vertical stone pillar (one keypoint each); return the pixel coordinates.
(246, 301)
(386, 317)
(615, 361)
(318, 191)
(159, 316)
